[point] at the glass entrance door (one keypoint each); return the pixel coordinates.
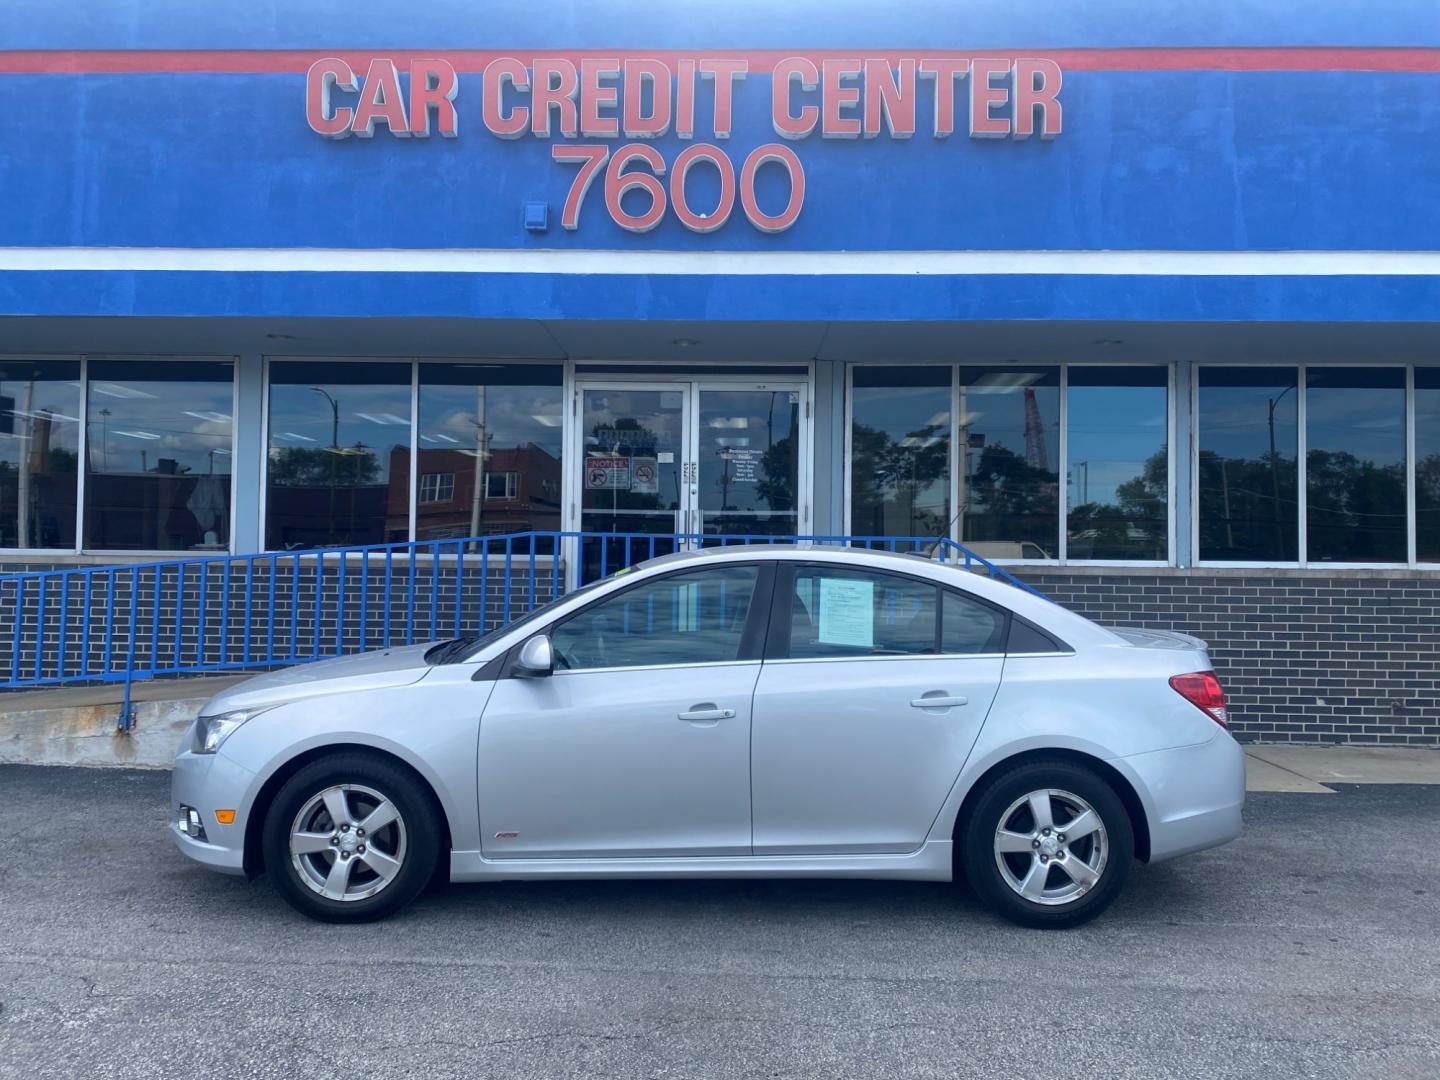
(679, 463)
(748, 447)
(633, 482)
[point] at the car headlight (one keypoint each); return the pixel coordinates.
(212, 731)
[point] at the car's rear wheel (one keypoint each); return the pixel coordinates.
(351, 837)
(1048, 844)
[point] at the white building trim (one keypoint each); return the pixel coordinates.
(738, 263)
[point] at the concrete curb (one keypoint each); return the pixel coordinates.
(87, 734)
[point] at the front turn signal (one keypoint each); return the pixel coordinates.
(225, 817)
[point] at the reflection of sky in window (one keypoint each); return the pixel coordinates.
(1369, 423)
(900, 411)
(998, 415)
(136, 423)
(1234, 421)
(515, 416)
(1427, 419)
(377, 417)
(1114, 430)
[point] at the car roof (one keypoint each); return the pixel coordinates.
(823, 552)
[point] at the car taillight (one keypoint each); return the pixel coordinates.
(1203, 690)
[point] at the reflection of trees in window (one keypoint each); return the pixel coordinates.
(1247, 478)
(1356, 509)
(1427, 464)
(298, 466)
(776, 486)
(1010, 500)
(1355, 464)
(1427, 507)
(1132, 527)
(1248, 507)
(890, 476)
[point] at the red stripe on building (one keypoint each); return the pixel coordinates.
(296, 61)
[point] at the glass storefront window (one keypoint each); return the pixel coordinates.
(1248, 435)
(1118, 463)
(338, 468)
(1355, 464)
(39, 452)
(489, 449)
(1010, 483)
(159, 442)
(1427, 464)
(900, 427)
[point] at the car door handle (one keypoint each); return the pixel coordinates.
(938, 701)
(706, 712)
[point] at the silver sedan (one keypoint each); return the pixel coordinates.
(735, 713)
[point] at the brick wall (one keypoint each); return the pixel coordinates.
(1305, 656)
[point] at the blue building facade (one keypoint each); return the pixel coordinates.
(1145, 306)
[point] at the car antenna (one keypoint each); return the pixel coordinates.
(944, 534)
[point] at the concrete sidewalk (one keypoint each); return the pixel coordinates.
(1308, 769)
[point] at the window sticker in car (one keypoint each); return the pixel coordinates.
(847, 612)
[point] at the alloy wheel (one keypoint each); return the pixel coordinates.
(1051, 847)
(347, 842)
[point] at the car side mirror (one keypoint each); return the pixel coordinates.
(536, 658)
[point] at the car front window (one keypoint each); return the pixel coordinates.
(690, 618)
(470, 646)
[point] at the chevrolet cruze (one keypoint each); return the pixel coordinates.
(743, 712)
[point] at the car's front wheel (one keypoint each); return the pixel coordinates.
(1048, 844)
(351, 837)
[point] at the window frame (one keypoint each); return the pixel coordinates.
(1172, 408)
(512, 486)
(777, 639)
(1411, 562)
(439, 477)
(83, 451)
(752, 635)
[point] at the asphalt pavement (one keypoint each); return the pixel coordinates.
(1310, 947)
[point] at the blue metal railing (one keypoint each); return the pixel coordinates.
(240, 612)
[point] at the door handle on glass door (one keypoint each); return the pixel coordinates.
(937, 699)
(707, 711)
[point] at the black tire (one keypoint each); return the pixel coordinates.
(993, 804)
(416, 838)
